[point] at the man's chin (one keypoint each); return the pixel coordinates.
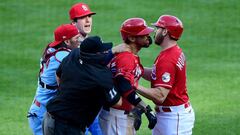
(87, 31)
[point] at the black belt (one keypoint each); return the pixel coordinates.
(45, 86)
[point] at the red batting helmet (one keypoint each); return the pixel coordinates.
(172, 24)
(80, 10)
(135, 27)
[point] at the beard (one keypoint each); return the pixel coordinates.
(143, 45)
(146, 43)
(74, 44)
(159, 39)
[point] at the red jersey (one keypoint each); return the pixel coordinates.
(169, 71)
(128, 65)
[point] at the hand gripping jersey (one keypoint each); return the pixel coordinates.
(128, 65)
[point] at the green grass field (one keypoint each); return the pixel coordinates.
(210, 42)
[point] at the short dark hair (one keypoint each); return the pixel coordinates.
(173, 38)
(75, 19)
(62, 44)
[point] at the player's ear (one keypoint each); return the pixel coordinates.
(67, 42)
(164, 32)
(131, 38)
(74, 22)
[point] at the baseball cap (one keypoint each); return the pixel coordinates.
(63, 32)
(80, 10)
(94, 44)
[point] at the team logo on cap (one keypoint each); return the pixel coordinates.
(166, 77)
(84, 8)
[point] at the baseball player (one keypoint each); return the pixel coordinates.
(66, 38)
(85, 85)
(175, 115)
(81, 17)
(127, 70)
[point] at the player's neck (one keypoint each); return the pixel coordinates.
(168, 44)
(134, 49)
(82, 37)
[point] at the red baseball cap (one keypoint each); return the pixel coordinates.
(80, 10)
(64, 32)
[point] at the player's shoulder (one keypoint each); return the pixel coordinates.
(60, 55)
(175, 50)
(125, 56)
(125, 59)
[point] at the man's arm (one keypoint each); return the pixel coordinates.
(113, 97)
(117, 49)
(158, 95)
(128, 92)
(147, 73)
(120, 48)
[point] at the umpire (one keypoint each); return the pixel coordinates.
(85, 84)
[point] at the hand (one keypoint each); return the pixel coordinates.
(152, 119)
(137, 115)
(120, 48)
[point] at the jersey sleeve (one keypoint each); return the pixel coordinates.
(59, 56)
(106, 82)
(163, 74)
(123, 66)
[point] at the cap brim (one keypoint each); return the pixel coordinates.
(146, 31)
(106, 46)
(86, 14)
(156, 25)
(55, 43)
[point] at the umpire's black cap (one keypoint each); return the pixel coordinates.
(94, 44)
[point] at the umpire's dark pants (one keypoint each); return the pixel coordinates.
(55, 127)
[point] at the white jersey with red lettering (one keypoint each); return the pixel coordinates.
(175, 115)
(116, 120)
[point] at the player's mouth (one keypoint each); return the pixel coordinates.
(87, 26)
